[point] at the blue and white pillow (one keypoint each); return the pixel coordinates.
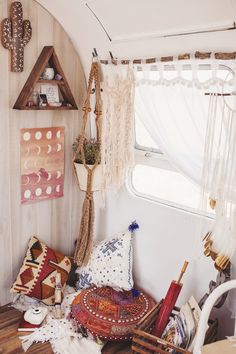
(110, 263)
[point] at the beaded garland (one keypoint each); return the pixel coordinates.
(110, 314)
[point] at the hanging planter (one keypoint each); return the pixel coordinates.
(82, 176)
(91, 150)
(86, 161)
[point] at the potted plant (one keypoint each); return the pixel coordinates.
(91, 153)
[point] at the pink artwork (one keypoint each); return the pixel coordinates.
(42, 164)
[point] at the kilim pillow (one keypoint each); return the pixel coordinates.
(37, 275)
(110, 314)
(110, 264)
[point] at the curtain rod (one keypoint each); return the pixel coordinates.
(186, 56)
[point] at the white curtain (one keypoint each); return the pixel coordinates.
(219, 178)
(198, 134)
(170, 102)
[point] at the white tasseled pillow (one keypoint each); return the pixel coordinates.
(110, 264)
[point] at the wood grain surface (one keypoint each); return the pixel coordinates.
(57, 221)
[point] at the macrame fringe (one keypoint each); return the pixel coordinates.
(118, 135)
(85, 240)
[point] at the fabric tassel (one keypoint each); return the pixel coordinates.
(85, 240)
(135, 292)
(89, 246)
(133, 226)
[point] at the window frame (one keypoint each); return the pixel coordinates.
(159, 160)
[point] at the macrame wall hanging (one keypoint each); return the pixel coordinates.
(118, 133)
(85, 239)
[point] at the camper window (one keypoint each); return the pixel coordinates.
(154, 176)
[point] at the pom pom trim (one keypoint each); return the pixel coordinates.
(133, 226)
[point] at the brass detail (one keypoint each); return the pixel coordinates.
(212, 203)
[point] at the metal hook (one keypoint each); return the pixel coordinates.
(111, 55)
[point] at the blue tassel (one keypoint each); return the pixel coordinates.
(135, 292)
(133, 226)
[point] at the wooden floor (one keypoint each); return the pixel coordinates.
(11, 344)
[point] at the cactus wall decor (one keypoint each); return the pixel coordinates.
(15, 35)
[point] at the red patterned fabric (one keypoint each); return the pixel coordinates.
(110, 314)
(37, 275)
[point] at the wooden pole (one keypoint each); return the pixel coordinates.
(183, 270)
(186, 56)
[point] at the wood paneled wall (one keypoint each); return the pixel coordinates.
(55, 221)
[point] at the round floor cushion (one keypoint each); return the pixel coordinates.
(110, 314)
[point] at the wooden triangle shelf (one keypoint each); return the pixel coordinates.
(47, 58)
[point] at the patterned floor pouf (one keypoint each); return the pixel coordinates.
(110, 314)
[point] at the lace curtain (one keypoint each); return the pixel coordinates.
(219, 178)
(170, 102)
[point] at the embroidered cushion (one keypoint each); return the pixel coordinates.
(110, 264)
(37, 275)
(110, 314)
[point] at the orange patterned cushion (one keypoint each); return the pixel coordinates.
(110, 314)
(37, 275)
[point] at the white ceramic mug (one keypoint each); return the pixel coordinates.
(48, 74)
(36, 315)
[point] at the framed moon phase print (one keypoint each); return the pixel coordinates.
(42, 163)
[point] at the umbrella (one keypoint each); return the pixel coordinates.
(168, 304)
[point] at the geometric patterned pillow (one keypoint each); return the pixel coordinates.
(110, 264)
(37, 275)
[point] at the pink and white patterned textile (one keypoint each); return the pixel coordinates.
(42, 163)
